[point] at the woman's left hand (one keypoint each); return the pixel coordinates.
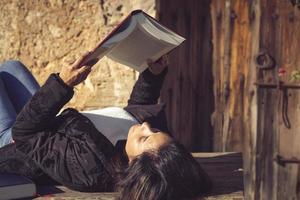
(158, 66)
(76, 73)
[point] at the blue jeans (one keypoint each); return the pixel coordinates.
(17, 85)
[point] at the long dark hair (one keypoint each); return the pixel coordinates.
(170, 173)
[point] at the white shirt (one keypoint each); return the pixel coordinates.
(113, 122)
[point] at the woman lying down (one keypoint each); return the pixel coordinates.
(71, 150)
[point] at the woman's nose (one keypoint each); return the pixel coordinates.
(146, 128)
(146, 125)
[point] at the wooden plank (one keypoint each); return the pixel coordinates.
(226, 79)
(231, 155)
(287, 47)
(225, 170)
(66, 194)
(267, 112)
(61, 192)
(251, 101)
(235, 28)
(279, 26)
(188, 90)
(217, 16)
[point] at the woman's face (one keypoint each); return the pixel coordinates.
(142, 137)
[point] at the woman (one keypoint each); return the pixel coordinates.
(68, 148)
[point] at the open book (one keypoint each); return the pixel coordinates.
(138, 37)
(14, 186)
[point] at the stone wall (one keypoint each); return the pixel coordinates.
(47, 35)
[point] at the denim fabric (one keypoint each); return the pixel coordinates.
(17, 85)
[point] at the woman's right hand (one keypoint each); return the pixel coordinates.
(76, 73)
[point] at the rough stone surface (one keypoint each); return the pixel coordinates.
(46, 35)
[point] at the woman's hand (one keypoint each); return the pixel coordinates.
(158, 66)
(76, 73)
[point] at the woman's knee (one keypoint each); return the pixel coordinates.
(13, 66)
(6, 138)
(15, 74)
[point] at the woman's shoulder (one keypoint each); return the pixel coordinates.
(75, 154)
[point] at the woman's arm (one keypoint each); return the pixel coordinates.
(42, 108)
(146, 90)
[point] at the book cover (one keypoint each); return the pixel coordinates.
(137, 39)
(13, 186)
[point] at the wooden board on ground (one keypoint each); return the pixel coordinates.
(225, 170)
(66, 194)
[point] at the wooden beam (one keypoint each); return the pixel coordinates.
(225, 170)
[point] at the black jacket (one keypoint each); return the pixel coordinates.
(67, 147)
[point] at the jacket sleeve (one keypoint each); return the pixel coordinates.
(42, 108)
(146, 90)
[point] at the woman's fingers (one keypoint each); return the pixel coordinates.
(84, 70)
(92, 62)
(80, 75)
(165, 60)
(158, 66)
(72, 76)
(86, 73)
(78, 62)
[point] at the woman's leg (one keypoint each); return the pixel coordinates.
(19, 82)
(7, 116)
(17, 85)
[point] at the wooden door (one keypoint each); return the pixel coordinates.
(279, 113)
(255, 112)
(235, 28)
(249, 51)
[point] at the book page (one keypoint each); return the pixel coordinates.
(118, 34)
(139, 46)
(98, 53)
(158, 30)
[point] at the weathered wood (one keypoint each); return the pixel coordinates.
(250, 106)
(279, 24)
(267, 113)
(188, 89)
(235, 28)
(61, 192)
(226, 126)
(246, 118)
(217, 40)
(225, 170)
(66, 194)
